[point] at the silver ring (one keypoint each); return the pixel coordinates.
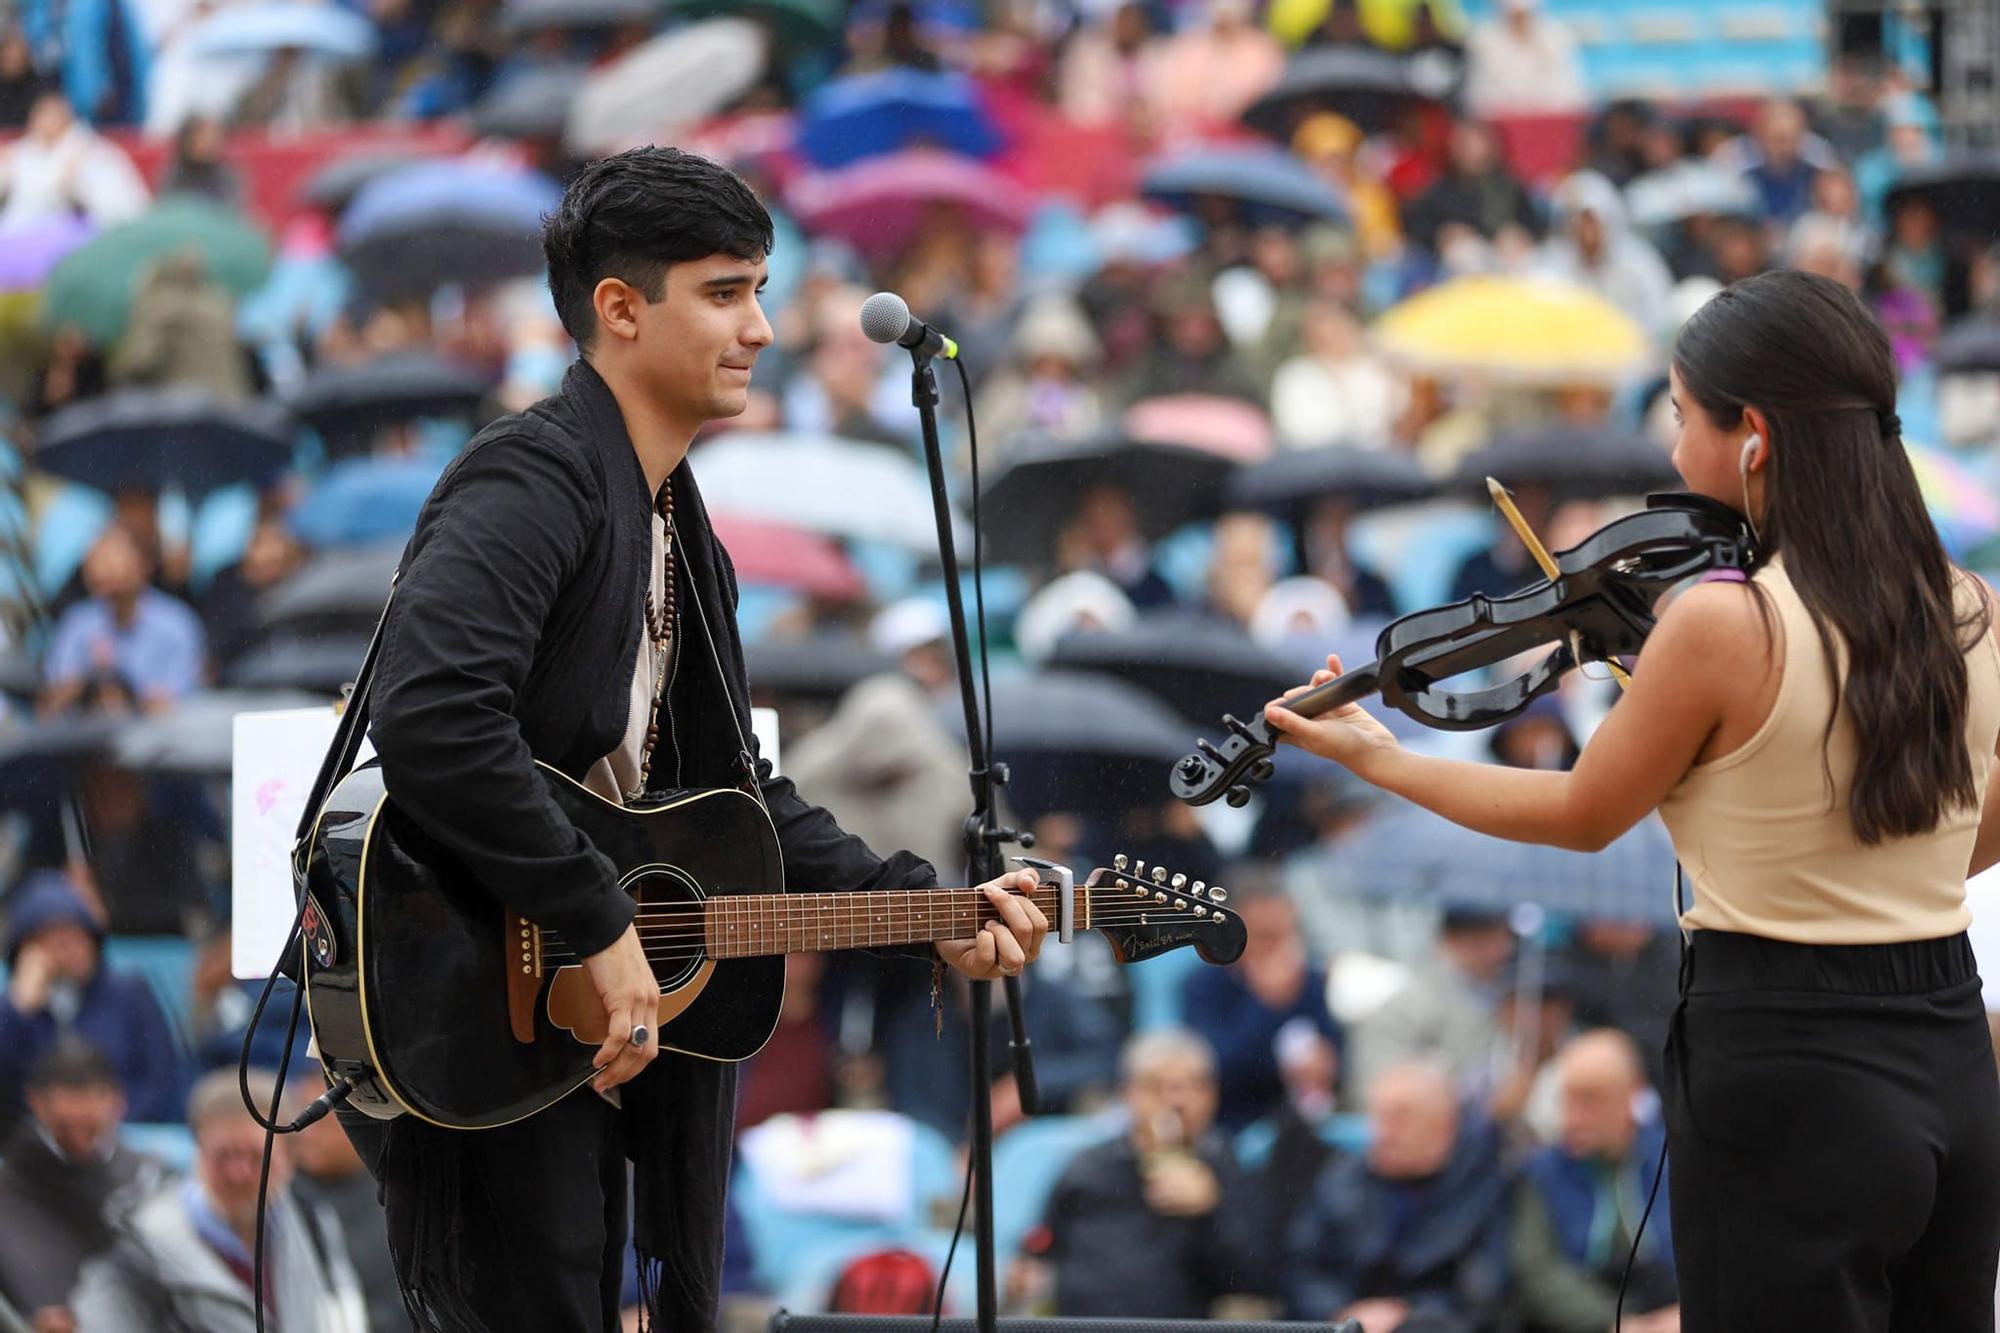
(640, 1035)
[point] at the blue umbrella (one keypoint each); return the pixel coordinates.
(1267, 182)
(867, 115)
(362, 501)
(434, 223)
(327, 30)
(157, 439)
(1410, 853)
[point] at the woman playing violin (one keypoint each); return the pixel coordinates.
(1819, 741)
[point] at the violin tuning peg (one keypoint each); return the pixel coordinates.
(1262, 770)
(1237, 725)
(1238, 797)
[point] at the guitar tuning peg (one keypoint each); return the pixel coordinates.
(1199, 885)
(1159, 874)
(1179, 882)
(1218, 894)
(1139, 868)
(1119, 862)
(1238, 797)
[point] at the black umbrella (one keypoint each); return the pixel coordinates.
(198, 736)
(531, 105)
(524, 16)
(338, 592)
(1965, 191)
(19, 676)
(1080, 741)
(1289, 485)
(818, 666)
(38, 759)
(1199, 667)
(1367, 86)
(347, 405)
(1024, 507)
(295, 662)
(334, 185)
(1970, 345)
(155, 439)
(1573, 461)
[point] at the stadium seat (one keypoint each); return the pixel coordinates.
(172, 1144)
(1028, 1160)
(167, 964)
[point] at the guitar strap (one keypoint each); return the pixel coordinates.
(340, 755)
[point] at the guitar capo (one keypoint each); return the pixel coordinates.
(1063, 880)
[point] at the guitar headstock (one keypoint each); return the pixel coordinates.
(1148, 910)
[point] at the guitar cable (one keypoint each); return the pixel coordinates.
(986, 703)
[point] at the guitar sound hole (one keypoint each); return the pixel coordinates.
(669, 922)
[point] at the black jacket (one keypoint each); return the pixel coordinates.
(512, 636)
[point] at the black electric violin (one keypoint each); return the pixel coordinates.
(1599, 607)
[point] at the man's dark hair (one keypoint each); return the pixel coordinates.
(75, 1064)
(632, 215)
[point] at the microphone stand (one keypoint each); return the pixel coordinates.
(983, 838)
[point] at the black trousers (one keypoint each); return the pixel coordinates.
(1833, 1122)
(537, 1222)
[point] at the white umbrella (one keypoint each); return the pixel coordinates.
(671, 82)
(825, 484)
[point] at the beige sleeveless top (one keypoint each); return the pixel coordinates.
(1766, 839)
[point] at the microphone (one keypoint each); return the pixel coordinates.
(886, 318)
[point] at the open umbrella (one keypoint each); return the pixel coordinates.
(93, 285)
(1196, 665)
(531, 104)
(1227, 427)
(1025, 505)
(1268, 183)
(1965, 191)
(674, 80)
(1530, 331)
(1960, 499)
(348, 405)
(822, 483)
(1368, 86)
(197, 738)
(1574, 461)
(797, 24)
(446, 222)
(1080, 741)
(881, 203)
(1290, 485)
(318, 665)
(336, 592)
(777, 555)
(331, 31)
(1969, 346)
(332, 187)
(820, 666)
(526, 16)
(866, 115)
(1414, 855)
(159, 439)
(29, 253)
(365, 501)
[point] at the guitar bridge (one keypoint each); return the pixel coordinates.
(524, 976)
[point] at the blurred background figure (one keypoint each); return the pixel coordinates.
(183, 1257)
(65, 1181)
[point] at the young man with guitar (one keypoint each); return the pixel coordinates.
(564, 602)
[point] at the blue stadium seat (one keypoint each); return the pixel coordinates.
(1156, 989)
(172, 1144)
(167, 964)
(1028, 1160)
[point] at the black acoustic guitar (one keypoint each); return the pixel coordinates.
(437, 1002)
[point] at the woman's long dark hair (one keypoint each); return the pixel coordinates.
(1841, 501)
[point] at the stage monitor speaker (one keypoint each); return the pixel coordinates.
(784, 1322)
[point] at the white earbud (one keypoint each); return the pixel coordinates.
(1749, 455)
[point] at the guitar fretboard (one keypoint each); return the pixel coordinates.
(754, 924)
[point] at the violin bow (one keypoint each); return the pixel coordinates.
(1504, 501)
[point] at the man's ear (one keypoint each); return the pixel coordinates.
(617, 305)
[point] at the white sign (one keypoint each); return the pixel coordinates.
(276, 757)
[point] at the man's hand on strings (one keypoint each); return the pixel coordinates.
(1010, 942)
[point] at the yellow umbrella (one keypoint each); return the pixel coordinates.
(1519, 330)
(1388, 23)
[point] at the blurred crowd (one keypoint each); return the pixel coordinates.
(1251, 299)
